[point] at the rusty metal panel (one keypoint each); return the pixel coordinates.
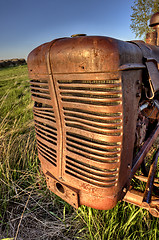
(85, 115)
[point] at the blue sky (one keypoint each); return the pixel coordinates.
(25, 24)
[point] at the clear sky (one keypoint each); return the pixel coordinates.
(25, 24)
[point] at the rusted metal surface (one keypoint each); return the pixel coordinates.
(152, 67)
(146, 200)
(144, 179)
(136, 198)
(87, 93)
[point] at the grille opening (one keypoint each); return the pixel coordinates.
(46, 125)
(92, 146)
(84, 164)
(102, 175)
(46, 158)
(44, 112)
(89, 181)
(43, 132)
(111, 159)
(45, 137)
(97, 89)
(46, 147)
(37, 105)
(78, 136)
(39, 85)
(104, 126)
(60, 188)
(52, 159)
(85, 95)
(78, 115)
(101, 114)
(99, 103)
(110, 81)
(44, 117)
(40, 89)
(40, 95)
(47, 152)
(107, 155)
(77, 126)
(43, 105)
(38, 81)
(89, 176)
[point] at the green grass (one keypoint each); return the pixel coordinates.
(28, 210)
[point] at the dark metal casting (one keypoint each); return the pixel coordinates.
(95, 104)
(150, 180)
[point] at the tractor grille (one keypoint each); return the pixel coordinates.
(92, 113)
(45, 123)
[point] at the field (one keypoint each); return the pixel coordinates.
(28, 210)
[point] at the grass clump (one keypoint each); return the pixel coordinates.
(125, 221)
(26, 205)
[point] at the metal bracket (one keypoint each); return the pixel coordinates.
(151, 65)
(68, 194)
(146, 200)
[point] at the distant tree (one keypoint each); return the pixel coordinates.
(142, 12)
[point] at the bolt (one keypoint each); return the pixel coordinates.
(138, 95)
(138, 82)
(124, 190)
(129, 166)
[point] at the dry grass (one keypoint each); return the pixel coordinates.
(28, 210)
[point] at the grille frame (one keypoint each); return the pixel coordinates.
(96, 131)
